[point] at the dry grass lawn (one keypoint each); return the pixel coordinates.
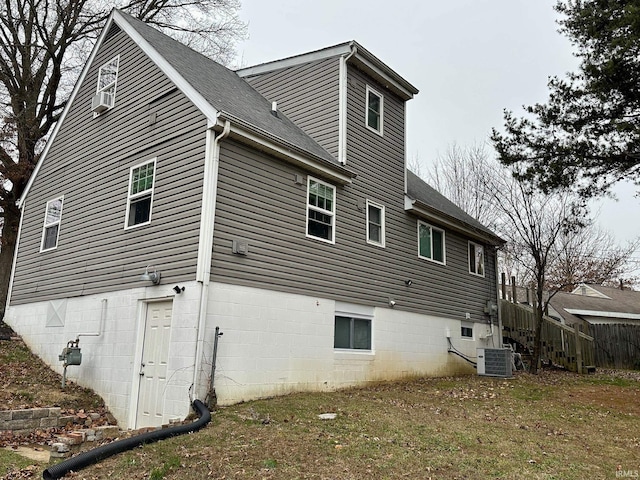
(552, 426)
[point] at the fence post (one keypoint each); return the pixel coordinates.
(513, 290)
(578, 349)
(504, 285)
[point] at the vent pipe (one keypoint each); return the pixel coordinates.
(274, 109)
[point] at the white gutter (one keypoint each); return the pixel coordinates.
(205, 242)
(594, 313)
(342, 105)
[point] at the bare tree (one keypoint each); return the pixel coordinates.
(590, 255)
(552, 244)
(43, 45)
(533, 223)
(458, 174)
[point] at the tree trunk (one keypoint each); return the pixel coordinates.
(538, 312)
(8, 239)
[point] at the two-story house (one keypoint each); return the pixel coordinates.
(176, 196)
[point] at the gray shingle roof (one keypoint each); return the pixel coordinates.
(620, 301)
(419, 190)
(226, 91)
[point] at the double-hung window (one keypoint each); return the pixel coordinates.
(140, 197)
(321, 210)
(51, 228)
(106, 92)
(352, 333)
(375, 224)
(375, 110)
(476, 259)
(431, 244)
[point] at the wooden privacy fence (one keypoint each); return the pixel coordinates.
(617, 346)
(562, 345)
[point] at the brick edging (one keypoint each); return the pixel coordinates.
(27, 420)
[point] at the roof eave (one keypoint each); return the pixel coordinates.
(594, 313)
(422, 210)
(374, 67)
(253, 136)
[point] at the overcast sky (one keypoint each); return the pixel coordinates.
(470, 59)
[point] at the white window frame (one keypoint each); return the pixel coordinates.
(444, 243)
(111, 85)
(46, 225)
(332, 213)
(132, 197)
(476, 246)
(357, 312)
(380, 207)
(379, 131)
(467, 325)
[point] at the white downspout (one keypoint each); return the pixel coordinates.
(342, 106)
(205, 243)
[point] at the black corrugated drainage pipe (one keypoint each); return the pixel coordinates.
(93, 456)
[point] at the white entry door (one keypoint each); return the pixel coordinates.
(153, 368)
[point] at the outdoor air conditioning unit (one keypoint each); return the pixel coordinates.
(494, 362)
(101, 102)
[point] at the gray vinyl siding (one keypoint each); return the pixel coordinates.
(259, 201)
(89, 163)
(308, 95)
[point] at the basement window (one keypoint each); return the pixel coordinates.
(466, 330)
(352, 333)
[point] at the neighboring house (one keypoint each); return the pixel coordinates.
(595, 304)
(293, 226)
(610, 315)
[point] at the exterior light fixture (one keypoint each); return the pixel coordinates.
(392, 302)
(178, 289)
(408, 283)
(153, 277)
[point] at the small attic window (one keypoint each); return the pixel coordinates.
(105, 97)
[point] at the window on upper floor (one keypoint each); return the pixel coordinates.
(105, 97)
(51, 227)
(352, 332)
(431, 244)
(321, 210)
(476, 259)
(375, 110)
(375, 224)
(140, 197)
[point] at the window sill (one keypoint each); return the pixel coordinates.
(349, 354)
(433, 261)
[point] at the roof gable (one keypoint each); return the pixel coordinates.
(222, 89)
(355, 53)
(217, 91)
